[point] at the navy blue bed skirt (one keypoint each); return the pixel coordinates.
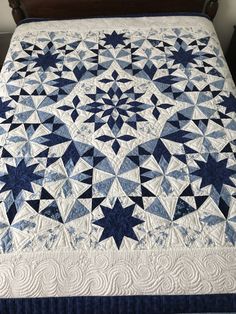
(122, 305)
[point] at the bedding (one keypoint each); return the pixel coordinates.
(117, 169)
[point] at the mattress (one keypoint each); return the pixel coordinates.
(117, 168)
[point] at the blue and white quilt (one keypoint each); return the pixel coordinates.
(118, 159)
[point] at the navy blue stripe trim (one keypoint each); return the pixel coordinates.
(223, 303)
(31, 20)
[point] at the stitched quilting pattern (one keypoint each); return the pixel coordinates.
(117, 139)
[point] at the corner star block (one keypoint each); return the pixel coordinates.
(118, 223)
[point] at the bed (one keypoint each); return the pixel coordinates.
(117, 168)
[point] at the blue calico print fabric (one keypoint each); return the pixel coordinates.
(117, 140)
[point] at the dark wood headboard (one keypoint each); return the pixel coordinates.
(64, 9)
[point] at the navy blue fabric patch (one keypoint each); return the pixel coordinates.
(118, 225)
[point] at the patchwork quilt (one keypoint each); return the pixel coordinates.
(118, 159)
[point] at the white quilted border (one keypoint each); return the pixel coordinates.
(95, 24)
(93, 273)
(134, 23)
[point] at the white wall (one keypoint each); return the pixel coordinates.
(224, 21)
(6, 21)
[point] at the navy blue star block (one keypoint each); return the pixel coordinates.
(47, 60)
(214, 173)
(19, 178)
(4, 108)
(118, 223)
(183, 57)
(114, 39)
(229, 103)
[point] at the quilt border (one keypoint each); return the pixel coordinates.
(113, 273)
